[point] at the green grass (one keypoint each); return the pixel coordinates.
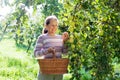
(16, 64)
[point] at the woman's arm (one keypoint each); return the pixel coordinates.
(39, 51)
(65, 37)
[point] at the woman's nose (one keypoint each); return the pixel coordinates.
(53, 26)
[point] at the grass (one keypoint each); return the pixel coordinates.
(16, 64)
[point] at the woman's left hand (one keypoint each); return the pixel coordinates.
(65, 36)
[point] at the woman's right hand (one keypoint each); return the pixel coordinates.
(51, 50)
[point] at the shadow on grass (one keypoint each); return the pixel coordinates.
(24, 48)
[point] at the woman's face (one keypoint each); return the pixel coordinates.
(52, 27)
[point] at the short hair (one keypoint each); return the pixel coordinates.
(47, 20)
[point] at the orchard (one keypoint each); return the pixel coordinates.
(93, 26)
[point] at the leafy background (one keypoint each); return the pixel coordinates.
(94, 44)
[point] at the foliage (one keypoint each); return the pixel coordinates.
(93, 25)
(25, 24)
(94, 37)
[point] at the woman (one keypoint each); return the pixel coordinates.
(48, 43)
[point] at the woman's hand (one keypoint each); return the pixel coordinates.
(65, 36)
(51, 50)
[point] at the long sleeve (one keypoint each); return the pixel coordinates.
(39, 50)
(64, 49)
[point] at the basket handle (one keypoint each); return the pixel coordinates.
(54, 54)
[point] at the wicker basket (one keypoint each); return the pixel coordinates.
(53, 65)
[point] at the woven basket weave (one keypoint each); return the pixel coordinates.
(53, 65)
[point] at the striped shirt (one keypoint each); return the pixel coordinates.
(45, 41)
